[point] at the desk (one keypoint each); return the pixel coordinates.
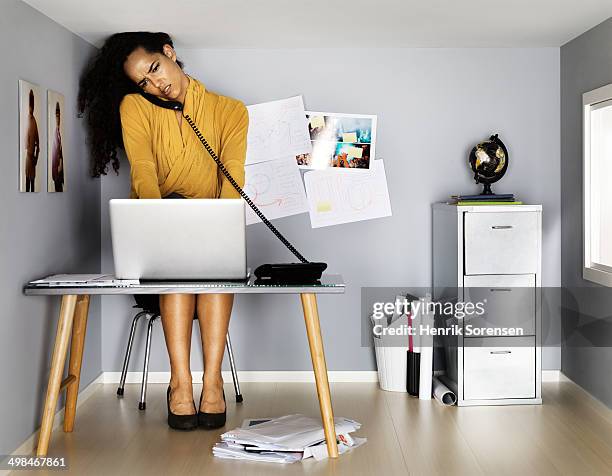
(73, 322)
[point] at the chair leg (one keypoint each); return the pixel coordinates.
(230, 354)
(142, 405)
(128, 352)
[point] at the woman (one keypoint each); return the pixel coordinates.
(167, 159)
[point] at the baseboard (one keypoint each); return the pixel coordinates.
(553, 376)
(345, 376)
(251, 376)
(28, 447)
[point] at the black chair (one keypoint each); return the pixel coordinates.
(149, 303)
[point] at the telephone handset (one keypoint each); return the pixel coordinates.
(304, 272)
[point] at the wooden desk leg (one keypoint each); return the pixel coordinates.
(315, 341)
(64, 326)
(76, 358)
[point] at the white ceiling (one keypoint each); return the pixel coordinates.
(334, 23)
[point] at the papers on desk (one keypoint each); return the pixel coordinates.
(70, 280)
(286, 439)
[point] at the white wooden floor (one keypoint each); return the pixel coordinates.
(571, 433)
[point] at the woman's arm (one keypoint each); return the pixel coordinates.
(233, 146)
(137, 144)
(36, 144)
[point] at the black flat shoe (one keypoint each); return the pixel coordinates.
(210, 421)
(181, 422)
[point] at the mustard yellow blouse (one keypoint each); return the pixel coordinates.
(165, 158)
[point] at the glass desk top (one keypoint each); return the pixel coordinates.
(329, 284)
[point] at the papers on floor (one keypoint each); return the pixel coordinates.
(342, 196)
(277, 129)
(286, 439)
(276, 188)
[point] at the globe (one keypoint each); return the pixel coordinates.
(489, 162)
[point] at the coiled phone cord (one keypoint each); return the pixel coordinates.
(246, 198)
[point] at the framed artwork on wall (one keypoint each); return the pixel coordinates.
(30, 107)
(56, 153)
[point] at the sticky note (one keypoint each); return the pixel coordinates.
(355, 152)
(317, 121)
(324, 207)
(349, 137)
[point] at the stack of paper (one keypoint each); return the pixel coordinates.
(286, 439)
(74, 280)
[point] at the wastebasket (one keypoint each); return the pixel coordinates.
(391, 346)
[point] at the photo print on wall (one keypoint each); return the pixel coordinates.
(339, 140)
(56, 159)
(30, 107)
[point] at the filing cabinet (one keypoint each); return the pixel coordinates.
(490, 256)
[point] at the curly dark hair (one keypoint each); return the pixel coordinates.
(102, 88)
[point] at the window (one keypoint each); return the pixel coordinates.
(597, 140)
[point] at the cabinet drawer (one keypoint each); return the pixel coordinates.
(507, 300)
(501, 242)
(499, 367)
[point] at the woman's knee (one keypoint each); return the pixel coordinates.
(215, 304)
(215, 299)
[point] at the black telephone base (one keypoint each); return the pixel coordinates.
(290, 273)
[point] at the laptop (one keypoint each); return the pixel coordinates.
(179, 240)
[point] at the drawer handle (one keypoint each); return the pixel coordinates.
(502, 227)
(501, 352)
(500, 289)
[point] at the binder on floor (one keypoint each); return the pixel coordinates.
(413, 364)
(426, 323)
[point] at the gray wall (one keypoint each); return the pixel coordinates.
(586, 64)
(41, 233)
(433, 105)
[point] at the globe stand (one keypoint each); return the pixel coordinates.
(487, 190)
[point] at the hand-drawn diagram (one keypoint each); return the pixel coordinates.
(277, 129)
(276, 188)
(339, 196)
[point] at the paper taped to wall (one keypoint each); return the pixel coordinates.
(277, 129)
(276, 188)
(339, 140)
(340, 196)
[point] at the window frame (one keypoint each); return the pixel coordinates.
(591, 271)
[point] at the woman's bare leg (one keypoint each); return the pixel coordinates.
(177, 320)
(214, 312)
